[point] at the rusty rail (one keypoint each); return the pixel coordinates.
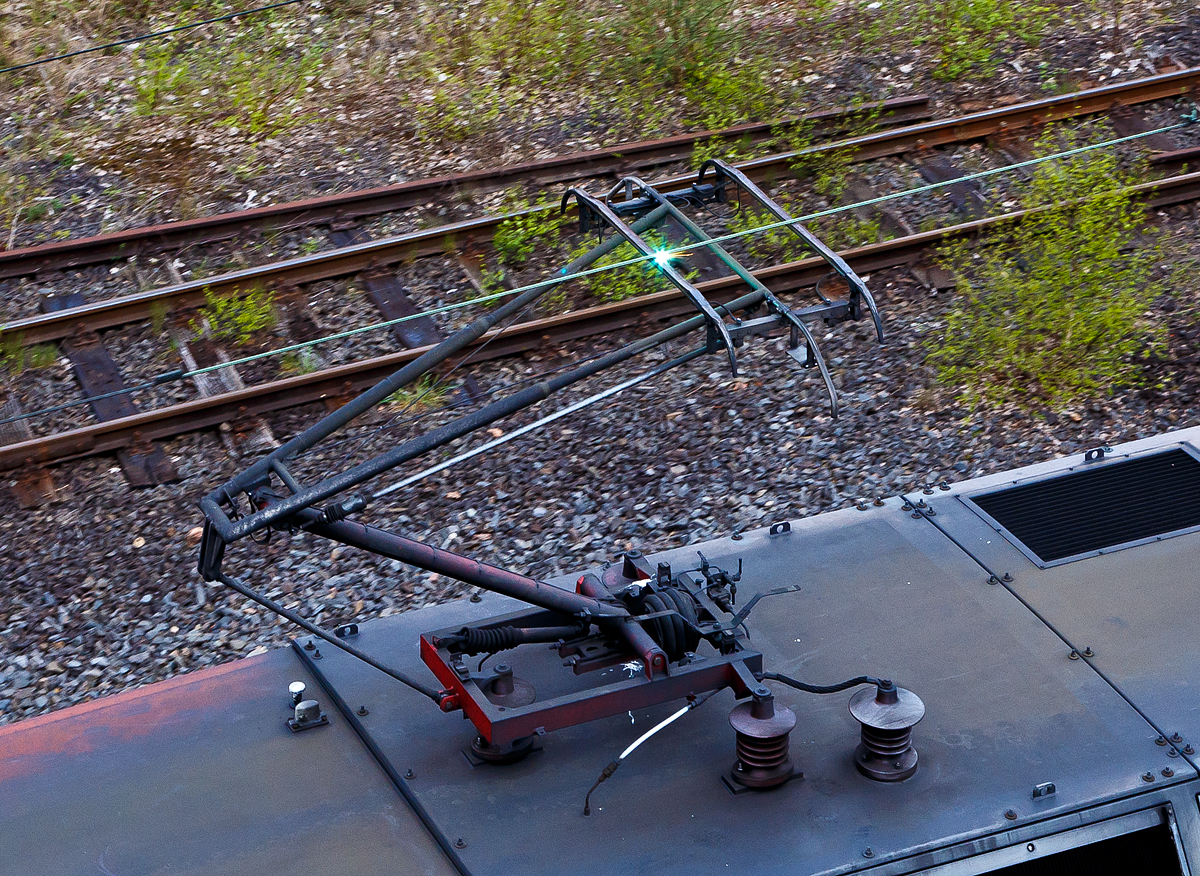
(345, 380)
(347, 206)
(351, 260)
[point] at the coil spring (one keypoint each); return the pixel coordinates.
(671, 633)
(488, 641)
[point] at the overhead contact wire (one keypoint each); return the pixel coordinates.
(640, 259)
(149, 36)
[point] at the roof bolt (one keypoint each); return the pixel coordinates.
(308, 646)
(1162, 740)
(1006, 578)
(868, 852)
(409, 774)
(317, 654)
(363, 711)
(1031, 848)
(921, 503)
(1187, 749)
(944, 486)
(927, 490)
(1074, 655)
(862, 505)
(993, 580)
(1176, 738)
(1172, 752)
(1011, 815)
(1088, 652)
(460, 843)
(475, 597)
(1147, 777)
(736, 536)
(1167, 772)
(878, 501)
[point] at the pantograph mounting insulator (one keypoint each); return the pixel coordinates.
(887, 715)
(762, 730)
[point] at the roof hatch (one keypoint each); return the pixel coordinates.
(1098, 508)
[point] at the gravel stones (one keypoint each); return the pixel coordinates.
(690, 456)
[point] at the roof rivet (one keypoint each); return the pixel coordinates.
(1088, 652)
(868, 852)
(1147, 777)
(1011, 815)
(1074, 655)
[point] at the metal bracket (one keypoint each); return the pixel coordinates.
(1045, 789)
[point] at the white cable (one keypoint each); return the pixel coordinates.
(628, 751)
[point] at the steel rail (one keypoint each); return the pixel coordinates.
(375, 255)
(348, 206)
(343, 381)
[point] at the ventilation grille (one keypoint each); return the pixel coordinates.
(1150, 852)
(1103, 507)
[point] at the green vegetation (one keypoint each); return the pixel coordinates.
(769, 245)
(641, 278)
(963, 35)
(1058, 308)
(298, 362)
(16, 357)
(12, 352)
(427, 393)
(237, 317)
(517, 238)
(502, 59)
(42, 355)
(256, 84)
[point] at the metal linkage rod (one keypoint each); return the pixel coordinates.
(230, 531)
(537, 424)
(589, 206)
(452, 565)
(260, 471)
(274, 606)
(858, 289)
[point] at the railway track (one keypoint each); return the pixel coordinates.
(132, 432)
(343, 380)
(1006, 122)
(348, 207)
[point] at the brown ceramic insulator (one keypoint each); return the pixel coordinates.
(887, 715)
(762, 741)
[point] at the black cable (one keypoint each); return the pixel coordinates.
(148, 36)
(822, 688)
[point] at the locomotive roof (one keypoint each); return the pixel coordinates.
(1076, 673)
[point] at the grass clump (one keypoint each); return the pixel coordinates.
(518, 237)
(428, 393)
(642, 278)
(238, 317)
(964, 34)
(1056, 309)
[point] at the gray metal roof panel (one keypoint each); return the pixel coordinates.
(200, 775)
(1136, 608)
(882, 593)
